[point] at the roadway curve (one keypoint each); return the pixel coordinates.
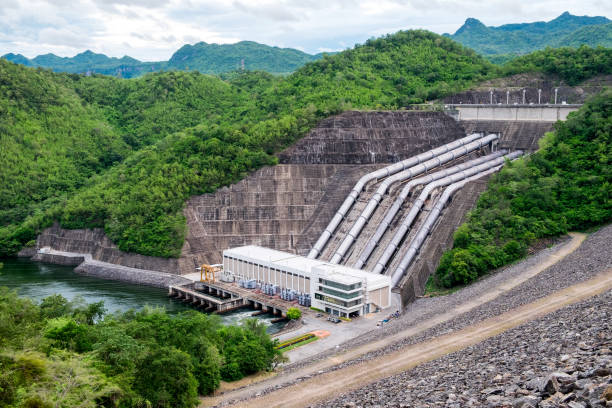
(252, 386)
(349, 378)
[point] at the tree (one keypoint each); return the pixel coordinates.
(293, 313)
(164, 377)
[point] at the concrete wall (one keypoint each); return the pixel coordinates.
(380, 297)
(286, 207)
(537, 113)
(514, 134)
(96, 243)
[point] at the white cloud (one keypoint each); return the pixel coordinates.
(154, 29)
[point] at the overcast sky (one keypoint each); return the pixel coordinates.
(152, 30)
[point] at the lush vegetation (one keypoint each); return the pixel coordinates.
(507, 41)
(179, 134)
(573, 65)
(566, 185)
(202, 57)
(125, 155)
(134, 359)
(220, 58)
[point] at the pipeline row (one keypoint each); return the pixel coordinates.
(399, 202)
(380, 174)
(409, 173)
(417, 206)
(424, 231)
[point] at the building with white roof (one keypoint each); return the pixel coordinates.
(336, 289)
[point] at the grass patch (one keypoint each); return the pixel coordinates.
(434, 290)
(297, 342)
(303, 342)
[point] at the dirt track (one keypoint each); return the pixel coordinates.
(256, 387)
(329, 384)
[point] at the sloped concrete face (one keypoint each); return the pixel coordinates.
(514, 135)
(287, 206)
(371, 138)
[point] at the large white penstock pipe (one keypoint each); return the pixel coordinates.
(425, 229)
(420, 201)
(378, 174)
(401, 198)
(366, 214)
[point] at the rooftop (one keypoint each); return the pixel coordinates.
(284, 259)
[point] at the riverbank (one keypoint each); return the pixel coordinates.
(38, 280)
(86, 265)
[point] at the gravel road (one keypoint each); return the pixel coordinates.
(560, 360)
(590, 259)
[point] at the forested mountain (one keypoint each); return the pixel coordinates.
(125, 154)
(89, 62)
(564, 186)
(177, 134)
(503, 42)
(219, 58)
(202, 57)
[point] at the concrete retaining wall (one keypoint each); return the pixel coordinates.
(97, 244)
(130, 275)
(59, 259)
(287, 206)
(532, 113)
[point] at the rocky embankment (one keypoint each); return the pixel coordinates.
(561, 360)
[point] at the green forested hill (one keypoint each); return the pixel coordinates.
(507, 41)
(89, 62)
(125, 154)
(219, 58)
(50, 142)
(572, 65)
(186, 133)
(202, 57)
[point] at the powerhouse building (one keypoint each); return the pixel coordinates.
(336, 289)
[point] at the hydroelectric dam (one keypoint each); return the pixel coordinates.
(378, 191)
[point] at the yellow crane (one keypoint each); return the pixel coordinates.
(207, 272)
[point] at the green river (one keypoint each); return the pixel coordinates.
(37, 280)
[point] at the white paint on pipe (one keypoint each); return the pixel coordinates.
(425, 229)
(399, 201)
(378, 174)
(367, 213)
(419, 202)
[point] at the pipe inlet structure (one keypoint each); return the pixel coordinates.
(420, 201)
(379, 174)
(367, 213)
(399, 201)
(426, 228)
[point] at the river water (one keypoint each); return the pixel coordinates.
(37, 281)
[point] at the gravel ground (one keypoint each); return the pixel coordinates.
(590, 259)
(560, 360)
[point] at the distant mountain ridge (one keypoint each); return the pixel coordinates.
(518, 39)
(203, 57)
(218, 58)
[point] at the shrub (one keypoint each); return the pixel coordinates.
(293, 313)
